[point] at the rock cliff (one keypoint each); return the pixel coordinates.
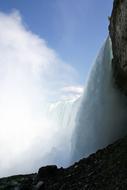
(118, 34)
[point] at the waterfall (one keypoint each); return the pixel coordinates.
(62, 116)
(102, 116)
(44, 141)
(35, 132)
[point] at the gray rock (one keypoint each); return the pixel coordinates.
(118, 34)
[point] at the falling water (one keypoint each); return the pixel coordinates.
(102, 117)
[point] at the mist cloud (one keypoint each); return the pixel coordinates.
(31, 77)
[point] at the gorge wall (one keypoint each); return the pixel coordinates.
(118, 34)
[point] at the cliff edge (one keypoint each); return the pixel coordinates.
(118, 34)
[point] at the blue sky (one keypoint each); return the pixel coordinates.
(74, 29)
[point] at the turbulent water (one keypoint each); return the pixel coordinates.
(102, 117)
(62, 115)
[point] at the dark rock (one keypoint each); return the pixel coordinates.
(47, 172)
(118, 34)
(40, 185)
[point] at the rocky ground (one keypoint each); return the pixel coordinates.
(104, 170)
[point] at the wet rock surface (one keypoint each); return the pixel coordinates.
(104, 170)
(118, 34)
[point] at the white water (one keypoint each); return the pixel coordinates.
(37, 140)
(102, 117)
(62, 116)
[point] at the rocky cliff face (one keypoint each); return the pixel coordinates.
(118, 34)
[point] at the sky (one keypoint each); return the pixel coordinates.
(74, 29)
